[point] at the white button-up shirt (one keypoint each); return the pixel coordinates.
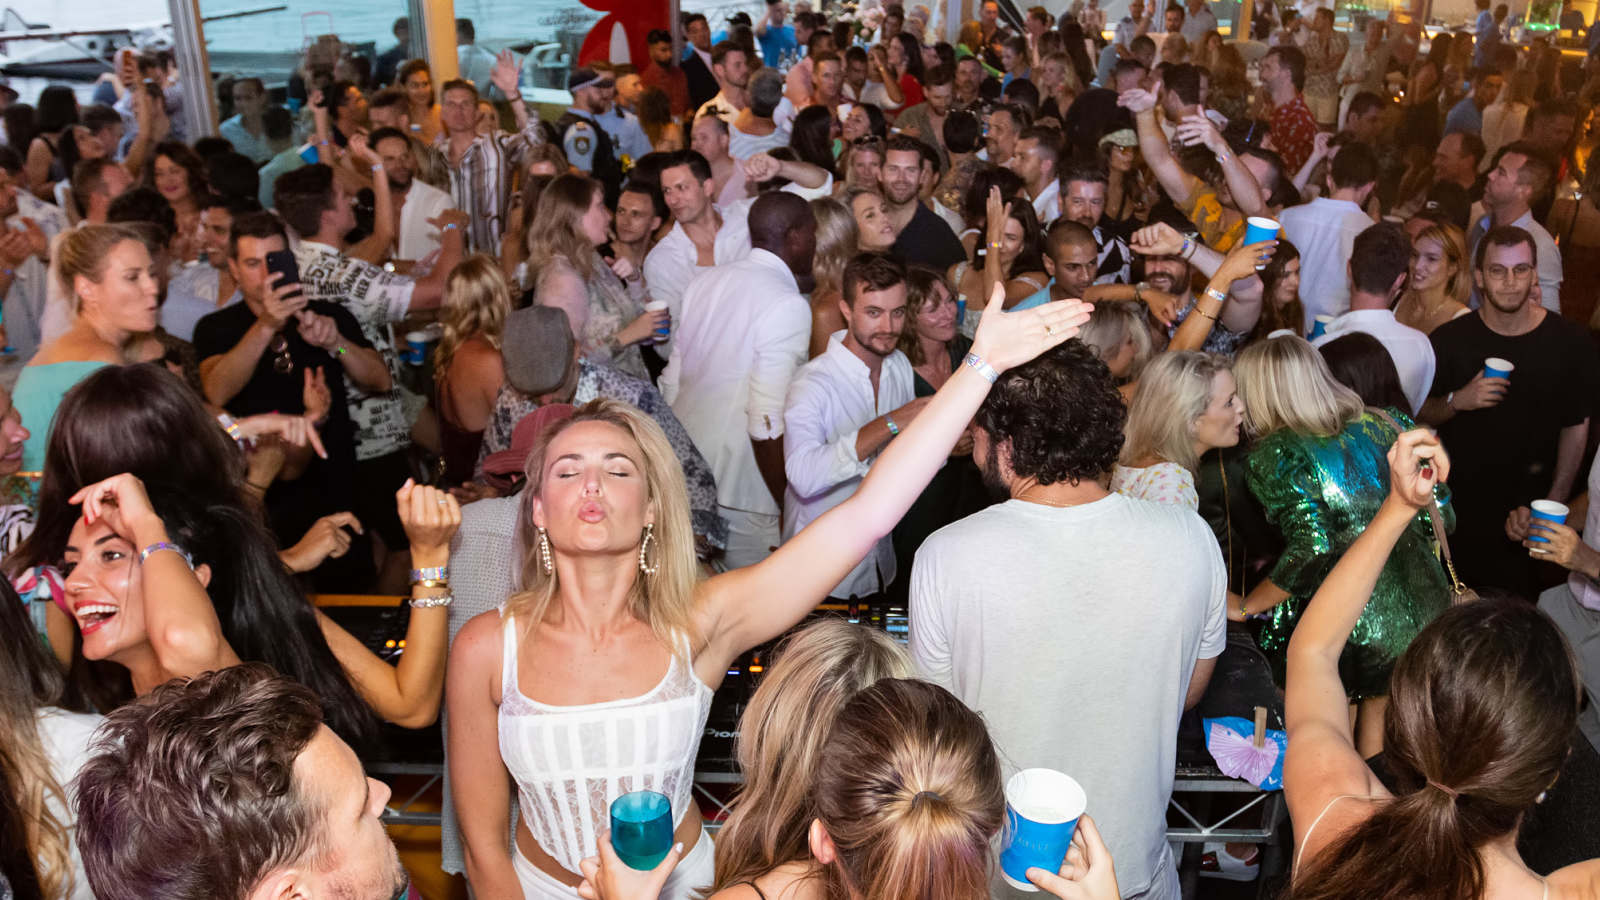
(1047, 206)
(674, 262)
(830, 399)
(1410, 349)
(743, 332)
(417, 238)
(1324, 231)
(1549, 259)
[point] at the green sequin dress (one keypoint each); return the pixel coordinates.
(1321, 492)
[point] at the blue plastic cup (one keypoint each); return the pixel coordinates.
(961, 310)
(1549, 511)
(1258, 229)
(1319, 327)
(1042, 810)
(1495, 367)
(416, 348)
(665, 331)
(641, 829)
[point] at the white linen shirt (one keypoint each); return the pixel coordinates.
(1410, 349)
(829, 400)
(743, 333)
(1324, 231)
(417, 238)
(674, 262)
(1047, 206)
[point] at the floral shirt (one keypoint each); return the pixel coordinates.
(1206, 211)
(596, 380)
(1164, 482)
(1220, 340)
(376, 298)
(1294, 133)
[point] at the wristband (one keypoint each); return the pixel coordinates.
(163, 545)
(377, 167)
(230, 426)
(894, 430)
(338, 350)
(450, 226)
(1187, 248)
(432, 602)
(977, 364)
(1215, 294)
(437, 573)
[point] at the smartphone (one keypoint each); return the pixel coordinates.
(281, 262)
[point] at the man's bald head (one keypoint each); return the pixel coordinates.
(782, 224)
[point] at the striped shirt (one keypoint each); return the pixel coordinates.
(480, 183)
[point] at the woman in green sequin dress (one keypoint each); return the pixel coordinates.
(1320, 470)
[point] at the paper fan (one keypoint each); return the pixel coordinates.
(1231, 741)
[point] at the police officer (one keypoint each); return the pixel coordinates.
(587, 145)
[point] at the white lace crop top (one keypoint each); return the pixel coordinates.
(571, 762)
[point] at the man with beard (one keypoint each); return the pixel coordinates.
(1520, 177)
(925, 121)
(1512, 439)
(229, 785)
(416, 201)
(845, 406)
(1100, 588)
(732, 67)
(922, 238)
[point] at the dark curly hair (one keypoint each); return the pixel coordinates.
(1060, 414)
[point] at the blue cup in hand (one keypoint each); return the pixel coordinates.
(1258, 229)
(1495, 367)
(1549, 511)
(1319, 327)
(641, 829)
(1042, 810)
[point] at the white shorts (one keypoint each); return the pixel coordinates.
(695, 872)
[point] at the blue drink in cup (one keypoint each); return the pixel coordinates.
(1258, 229)
(1042, 810)
(1495, 367)
(641, 829)
(1549, 511)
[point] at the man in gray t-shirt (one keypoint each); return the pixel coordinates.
(1080, 623)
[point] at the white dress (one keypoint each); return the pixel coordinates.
(571, 762)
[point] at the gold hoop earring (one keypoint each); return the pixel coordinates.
(649, 535)
(544, 552)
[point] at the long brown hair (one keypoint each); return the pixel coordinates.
(910, 793)
(557, 229)
(781, 734)
(1483, 703)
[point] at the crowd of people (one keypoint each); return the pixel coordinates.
(824, 309)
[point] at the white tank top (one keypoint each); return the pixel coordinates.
(571, 762)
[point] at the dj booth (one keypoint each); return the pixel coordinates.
(1206, 805)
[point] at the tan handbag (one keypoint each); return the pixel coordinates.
(1459, 592)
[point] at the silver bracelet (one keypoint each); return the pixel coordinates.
(431, 602)
(978, 365)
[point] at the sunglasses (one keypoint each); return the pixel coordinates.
(282, 362)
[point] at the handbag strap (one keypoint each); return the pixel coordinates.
(1434, 517)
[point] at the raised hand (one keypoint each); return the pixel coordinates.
(1159, 239)
(1199, 129)
(362, 152)
(1007, 339)
(1138, 100)
(282, 302)
(1243, 259)
(120, 500)
(318, 331)
(1417, 462)
(607, 877)
(315, 396)
(430, 517)
(506, 74)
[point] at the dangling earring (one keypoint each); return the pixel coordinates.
(1540, 798)
(649, 534)
(544, 552)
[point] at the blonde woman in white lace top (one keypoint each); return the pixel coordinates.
(596, 679)
(1187, 404)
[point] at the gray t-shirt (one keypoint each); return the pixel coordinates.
(1074, 632)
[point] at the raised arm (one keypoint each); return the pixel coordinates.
(739, 609)
(507, 76)
(1323, 762)
(1209, 306)
(1153, 145)
(408, 694)
(183, 627)
(375, 247)
(1247, 196)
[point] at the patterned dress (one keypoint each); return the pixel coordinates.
(610, 305)
(1321, 492)
(1164, 482)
